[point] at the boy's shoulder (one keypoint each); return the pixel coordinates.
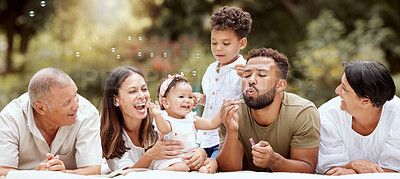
(240, 60)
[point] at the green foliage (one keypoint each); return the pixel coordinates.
(315, 46)
(327, 45)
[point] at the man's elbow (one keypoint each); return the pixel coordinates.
(89, 170)
(5, 170)
(228, 166)
(95, 170)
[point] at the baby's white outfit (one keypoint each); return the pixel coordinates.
(182, 130)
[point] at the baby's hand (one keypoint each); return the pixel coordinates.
(199, 98)
(155, 108)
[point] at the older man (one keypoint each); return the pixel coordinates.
(283, 126)
(50, 128)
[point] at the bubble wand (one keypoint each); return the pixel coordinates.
(238, 96)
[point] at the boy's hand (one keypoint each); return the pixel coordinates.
(239, 69)
(199, 98)
(154, 108)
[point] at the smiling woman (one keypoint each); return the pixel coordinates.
(127, 134)
(359, 128)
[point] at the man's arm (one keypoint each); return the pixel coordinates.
(301, 161)
(4, 170)
(88, 170)
(230, 155)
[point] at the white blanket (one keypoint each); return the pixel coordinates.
(157, 174)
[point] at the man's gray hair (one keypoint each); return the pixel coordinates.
(39, 88)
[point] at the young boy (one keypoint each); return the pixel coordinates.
(229, 28)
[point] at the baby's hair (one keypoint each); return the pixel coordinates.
(175, 81)
(231, 18)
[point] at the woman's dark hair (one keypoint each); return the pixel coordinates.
(112, 121)
(370, 79)
(175, 81)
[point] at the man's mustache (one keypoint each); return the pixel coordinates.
(253, 86)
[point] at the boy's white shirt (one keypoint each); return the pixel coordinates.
(218, 86)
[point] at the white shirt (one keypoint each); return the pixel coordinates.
(340, 144)
(129, 158)
(23, 147)
(218, 86)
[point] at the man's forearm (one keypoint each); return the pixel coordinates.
(281, 164)
(4, 170)
(88, 170)
(230, 156)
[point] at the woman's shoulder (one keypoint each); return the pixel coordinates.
(391, 110)
(330, 111)
(393, 103)
(332, 104)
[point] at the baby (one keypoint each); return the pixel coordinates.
(174, 118)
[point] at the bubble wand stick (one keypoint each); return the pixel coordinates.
(238, 96)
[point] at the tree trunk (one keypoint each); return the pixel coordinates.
(25, 32)
(10, 41)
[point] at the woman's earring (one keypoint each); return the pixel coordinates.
(116, 104)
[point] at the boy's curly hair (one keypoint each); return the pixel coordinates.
(231, 18)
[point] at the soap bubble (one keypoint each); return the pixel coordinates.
(42, 3)
(112, 50)
(197, 56)
(118, 56)
(151, 54)
(139, 54)
(140, 38)
(165, 54)
(129, 38)
(31, 13)
(194, 73)
(77, 54)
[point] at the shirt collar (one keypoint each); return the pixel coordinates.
(237, 61)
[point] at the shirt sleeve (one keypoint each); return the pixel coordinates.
(332, 151)
(8, 142)
(306, 129)
(120, 163)
(389, 158)
(88, 146)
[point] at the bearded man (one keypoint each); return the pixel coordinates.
(283, 126)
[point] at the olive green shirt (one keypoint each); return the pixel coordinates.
(297, 126)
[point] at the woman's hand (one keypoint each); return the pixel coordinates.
(164, 149)
(363, 166)
(336, 171)
(196, 159)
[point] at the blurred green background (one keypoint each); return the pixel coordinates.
(88, 39)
